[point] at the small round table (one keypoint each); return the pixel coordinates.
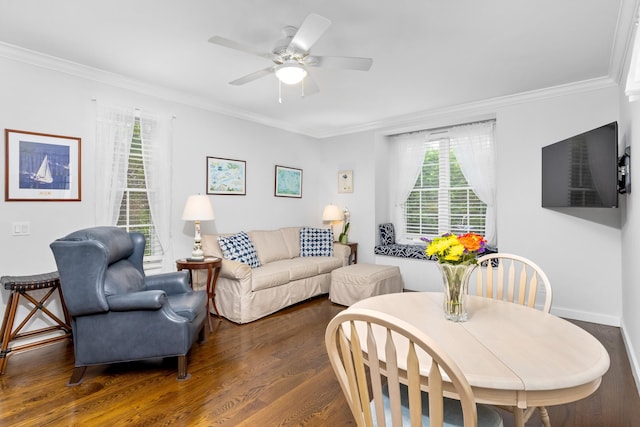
(212, 265)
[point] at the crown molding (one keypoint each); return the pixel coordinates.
(392, 124)
(53, 63)
(89, 73)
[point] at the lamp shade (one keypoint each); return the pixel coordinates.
(198, 208)
(331, 213)
(290, 72)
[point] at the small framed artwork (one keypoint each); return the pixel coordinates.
(226, 176)
(41, 167)
(345, 182)
(288, 182)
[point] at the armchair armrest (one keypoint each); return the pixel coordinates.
(234, 270)
(144, 300)
(171, 283)
(343, 252)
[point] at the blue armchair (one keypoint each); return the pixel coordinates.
(119, 314)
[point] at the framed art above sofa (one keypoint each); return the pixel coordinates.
(288, 182)
(226, 176)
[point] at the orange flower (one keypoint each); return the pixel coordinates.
(472, 242)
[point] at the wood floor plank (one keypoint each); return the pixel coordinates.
(272, 372)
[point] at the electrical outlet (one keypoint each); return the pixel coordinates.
(21, 228)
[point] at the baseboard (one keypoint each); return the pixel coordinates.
(631, 353)
(586, 316)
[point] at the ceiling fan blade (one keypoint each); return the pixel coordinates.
(221, 41)
(343, 62)
(310, 31)
(253, 76)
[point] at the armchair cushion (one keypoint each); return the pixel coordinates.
(122, 277)
(316, 242)
(239, 247)
(188, 305)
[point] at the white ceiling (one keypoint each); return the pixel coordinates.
(427, 54)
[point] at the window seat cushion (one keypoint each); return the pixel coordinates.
(402, 251)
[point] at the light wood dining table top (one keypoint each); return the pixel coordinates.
(510, 354)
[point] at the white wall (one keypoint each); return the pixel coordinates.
(352, 152)
(40, 100)
(630, 114)
(579, 249)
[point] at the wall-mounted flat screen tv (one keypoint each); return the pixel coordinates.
(582, 171)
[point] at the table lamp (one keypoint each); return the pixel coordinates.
(198, 208)
(332, 215)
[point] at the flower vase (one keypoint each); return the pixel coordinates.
(455, 280)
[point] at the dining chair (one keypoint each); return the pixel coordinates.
(513, 278)
(392, 374)
(518, 280)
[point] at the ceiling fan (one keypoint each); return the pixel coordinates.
(292, 57)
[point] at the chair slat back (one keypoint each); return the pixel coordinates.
(523, 281)
(407, 352)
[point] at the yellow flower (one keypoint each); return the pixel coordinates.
(452, 249)
(454, 253)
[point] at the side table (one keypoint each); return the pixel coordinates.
(354, 252)
(23, 286)
(212, 265)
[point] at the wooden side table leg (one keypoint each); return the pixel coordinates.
(213, 290)
(210, 295)
(7, 326)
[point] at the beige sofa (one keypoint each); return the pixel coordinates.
(244, 294)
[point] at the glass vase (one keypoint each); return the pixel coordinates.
(455, 280)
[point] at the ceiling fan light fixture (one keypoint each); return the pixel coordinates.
(291, 72)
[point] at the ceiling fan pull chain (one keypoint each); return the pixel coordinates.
(279, 91)
(302, 88)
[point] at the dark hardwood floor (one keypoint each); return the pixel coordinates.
(272, 372)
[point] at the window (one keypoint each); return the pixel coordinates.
(135, 210)
(133, 185)
(443, 180)
(442, 200)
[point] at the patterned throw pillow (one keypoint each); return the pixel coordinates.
(316, 242)
(239, 247)
(387, 234)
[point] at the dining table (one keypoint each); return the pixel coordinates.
(512, 355)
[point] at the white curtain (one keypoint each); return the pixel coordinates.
(114, 133)
(156, 137)
(474, 148)
(407, 152)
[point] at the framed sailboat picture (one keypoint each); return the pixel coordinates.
(41, 167)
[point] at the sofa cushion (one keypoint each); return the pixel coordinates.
(269, 275)
(291, 237)
(301, 268)
(316, 242)
(239, 247)
(270, 245)
(328, 264)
